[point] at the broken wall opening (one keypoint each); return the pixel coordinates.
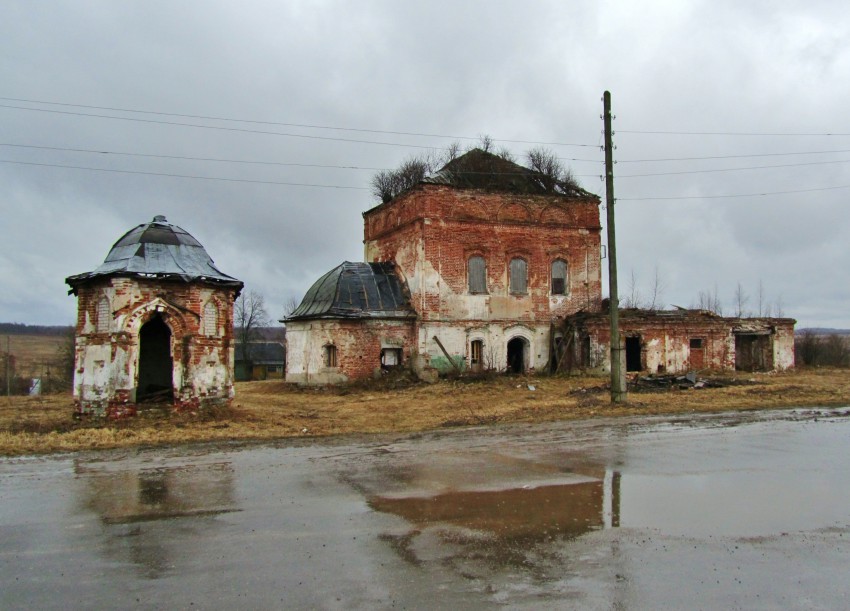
(390, 358)
(753, 352)
(633, 357)
(517, 348)
(156, 366)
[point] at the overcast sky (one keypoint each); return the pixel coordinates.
(359, 86)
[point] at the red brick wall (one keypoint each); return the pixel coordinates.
(452, 224)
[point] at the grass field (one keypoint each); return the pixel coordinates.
(36, 356)
(272, 409)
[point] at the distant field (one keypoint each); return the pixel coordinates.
(34, 354)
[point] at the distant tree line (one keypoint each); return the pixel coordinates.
(814, 350)
(15, 328)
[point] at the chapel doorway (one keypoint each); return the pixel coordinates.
(155, 362)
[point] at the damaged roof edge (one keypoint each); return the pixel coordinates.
(157, 250)
(356, 291)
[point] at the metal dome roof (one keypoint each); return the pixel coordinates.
(158, 250)
(357, 290)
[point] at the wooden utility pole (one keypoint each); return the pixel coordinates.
(8, 378)
(618, 378)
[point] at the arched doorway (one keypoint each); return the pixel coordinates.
(516, 355)
(155, 362)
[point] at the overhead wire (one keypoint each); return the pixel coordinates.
(218, 178)
(258, 122)
(352, 167)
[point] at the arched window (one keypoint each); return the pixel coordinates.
(210, 319)
(103, 315)
(330, 356)
(477, 275)
(519, 276)
(559, 277)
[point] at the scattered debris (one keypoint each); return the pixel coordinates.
(687, 381)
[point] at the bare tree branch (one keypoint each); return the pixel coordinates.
(249, 315)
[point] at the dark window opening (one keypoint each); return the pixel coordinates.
(516, 355)
(696, 343)
(633, 361)
(155, 362)
(390, 357)
(519, 276)
(330, 356)
(559, 277)
(477, 275)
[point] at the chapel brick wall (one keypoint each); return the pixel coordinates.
(106, 359)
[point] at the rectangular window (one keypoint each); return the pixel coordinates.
(477, 273)
(696, 343)
(475, 351)
(559, 277)
(330, 356)
(390, 357)
(519, 276)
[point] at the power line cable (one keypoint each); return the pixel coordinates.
(763, 194)
(758, 134)
(733, 156)
(222, 160)
(281, 124)
(186, 158)
(262, 182)
(755, 167)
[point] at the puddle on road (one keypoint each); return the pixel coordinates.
(485, 511)
(756, 481)
(140, 510)
(495, 527)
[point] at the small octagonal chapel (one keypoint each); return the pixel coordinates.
(154, 325)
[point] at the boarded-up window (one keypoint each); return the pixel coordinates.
(210, 319)
(103, 315)
(330, 356)
(519, 276)
(559, 277)
(477, 271)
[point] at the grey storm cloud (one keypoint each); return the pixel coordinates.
(706, 94)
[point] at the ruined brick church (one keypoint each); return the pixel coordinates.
(488, 265)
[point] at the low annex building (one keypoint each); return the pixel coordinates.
(154, 324)
(675, 341)
(355, 319)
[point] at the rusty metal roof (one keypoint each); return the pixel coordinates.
(357, 290)
(158, 250)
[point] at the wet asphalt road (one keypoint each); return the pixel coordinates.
(735, 511)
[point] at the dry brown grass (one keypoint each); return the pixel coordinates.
(272, 409)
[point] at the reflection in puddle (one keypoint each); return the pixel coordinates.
(499, 527)
(142, 510)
